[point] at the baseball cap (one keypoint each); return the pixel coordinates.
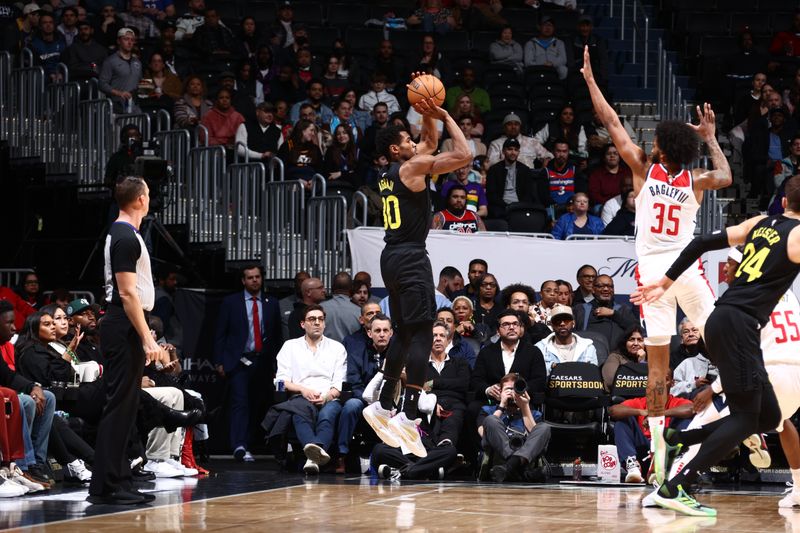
(125, 31)
(78, 306)
(511, 143)
(84, 22)
(266, 106)
(227, 74)
(512, 117)
(31, 8)
(585, 18)
(561, 310)
(547, 18)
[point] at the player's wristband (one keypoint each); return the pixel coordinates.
(699, 245)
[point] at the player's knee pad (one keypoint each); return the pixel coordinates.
(658, 341)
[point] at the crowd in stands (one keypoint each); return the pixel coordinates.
(498, 352)
(265, 88)
(51, 383)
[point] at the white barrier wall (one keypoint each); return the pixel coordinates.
(517, 258)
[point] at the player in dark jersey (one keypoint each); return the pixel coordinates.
(405, 266)
(770, 264)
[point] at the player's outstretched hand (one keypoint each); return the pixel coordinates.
(708, 126)
(428, 108)
(647, 293)
(587, 65)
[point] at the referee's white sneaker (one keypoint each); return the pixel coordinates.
(790, 500)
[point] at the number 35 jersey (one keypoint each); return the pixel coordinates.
(406, 214)
(765, 272)
(666, 211)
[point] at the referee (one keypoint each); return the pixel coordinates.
(127, 344)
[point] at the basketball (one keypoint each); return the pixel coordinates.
(426, 86)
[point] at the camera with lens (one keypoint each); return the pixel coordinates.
(515, 438)
(157, 172)
(520, 385)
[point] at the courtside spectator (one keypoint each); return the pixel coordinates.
(624, 222)
(563, 345)
(630, 349)
(530, 149)
(546, 49)
(603, 315)
(260, 138)
(579, 221)
(506, 51)
(342, 316)
(606, 179)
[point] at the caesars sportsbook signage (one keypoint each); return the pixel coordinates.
(516, 258)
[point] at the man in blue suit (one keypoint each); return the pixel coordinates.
(246, 343)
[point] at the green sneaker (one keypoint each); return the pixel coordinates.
(673, 451)
(683, 503)
(659, 460)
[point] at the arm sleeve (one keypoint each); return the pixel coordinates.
(699, 245)
(125, 254)
(241, 137)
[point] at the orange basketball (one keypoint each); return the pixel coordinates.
(426, 86)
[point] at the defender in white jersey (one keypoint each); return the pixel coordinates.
(668, 196)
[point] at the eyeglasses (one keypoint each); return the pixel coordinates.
(559, 320)
(489, 285)
(588, 276)
(603, 286)
(32, 282)
(315, 319)
(505, 325)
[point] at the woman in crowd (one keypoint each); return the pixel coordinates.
(341, 159)
(431, 60)
(301, 155)
(249, 38)
(361, 118)
(472, 334)
(166, 85)
(564, 127)
(624, 222)
(564, 292)
(333, 82)
(348, 65)
(466, 107)
(506, 51)
(486, 307)
(579, 222)
(193, 106)
(30, 291)
(631, 349)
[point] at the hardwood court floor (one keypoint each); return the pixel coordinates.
(355, 505)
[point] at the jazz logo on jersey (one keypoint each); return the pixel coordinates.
(385, 184)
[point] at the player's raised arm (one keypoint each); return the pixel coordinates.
(720, 177)
(429, 133)
(701, 244)
(633, 155)
(422, 164)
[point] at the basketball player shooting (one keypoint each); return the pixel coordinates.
(668, 196)
(770, 264)
(405, 266)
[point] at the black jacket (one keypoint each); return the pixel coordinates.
(489, 369)
(452, 383)
(532, 187)
(611, 327)
(13, 380)
(41, 363)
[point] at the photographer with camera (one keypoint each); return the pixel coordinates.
(509, 431)
(121, 162)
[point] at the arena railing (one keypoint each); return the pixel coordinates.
(95, 139)
(599, 238)
(639, 33)
(140, 120)
(326, 237)
(283, 244)
(276, 168)
(205, 186)
(175, 147)
(27, 110)
(670, 103)
(358, 199)
(62, 108)
(11, 277)
(244, 194)
(6, 64)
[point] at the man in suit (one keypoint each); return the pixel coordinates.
(247, 340)
(511, 182)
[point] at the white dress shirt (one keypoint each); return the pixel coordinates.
(318, 370)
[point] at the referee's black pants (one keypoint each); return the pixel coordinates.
(122, 373)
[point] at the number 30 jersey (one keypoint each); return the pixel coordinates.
(406, 214)
(765, 272)
(780, 337)
(666, 211)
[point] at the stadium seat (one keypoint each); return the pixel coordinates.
(346, 15)
(542, 74)
(527, 218)
(526, 20)
(629, 382)
(307, 12)
(712, 45)
(600, 344)
(407, 41)
(507, 103)
(481, 40)
(500, 74)
(366, 39)
(452, 41)
(506, 89)
(322, 37)
(544, 90)
(263, 12)
(757, 22)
